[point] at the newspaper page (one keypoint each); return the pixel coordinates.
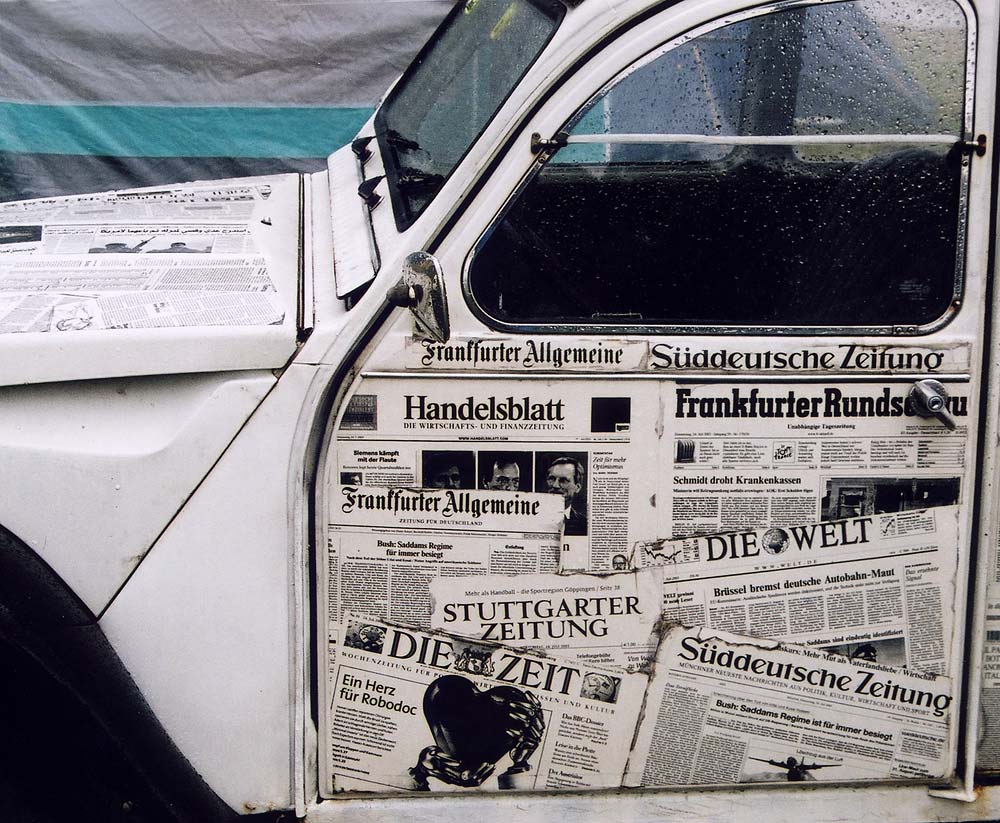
(211, 201)
(988, 750)
(745, 457)
(724, 709)
(150, 258)
(418, 711)
(876, 588)
(607, 619)
(384, 545)
(590, 447)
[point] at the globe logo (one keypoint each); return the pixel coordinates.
(775, 541)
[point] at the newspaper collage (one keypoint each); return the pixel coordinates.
(759, 577)
(175, 257)
(988, 750)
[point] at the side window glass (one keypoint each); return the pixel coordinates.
(904, 70)
(694, 89)
(789, 169)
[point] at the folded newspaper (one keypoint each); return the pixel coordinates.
(724, 709)
(412, 710)
(875, 588)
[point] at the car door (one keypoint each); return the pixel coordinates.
(728, 277)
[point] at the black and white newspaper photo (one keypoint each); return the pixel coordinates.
(608, 619)
(417, 711)
(724, 709)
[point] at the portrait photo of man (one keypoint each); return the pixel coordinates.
(505, 471)
(565, 473)
(448, 469)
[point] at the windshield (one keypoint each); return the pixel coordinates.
(453, 89)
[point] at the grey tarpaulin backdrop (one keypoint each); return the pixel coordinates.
(99, 94)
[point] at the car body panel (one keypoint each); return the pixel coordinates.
(93, 471)
(221, 573)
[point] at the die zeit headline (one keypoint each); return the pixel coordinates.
(446, 503)
(864, 682)
(437, 652)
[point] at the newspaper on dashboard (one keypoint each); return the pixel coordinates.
(875, 588)
(412, 710)
(385, 545)
(609, 619)
(180, 256)
(723, 709)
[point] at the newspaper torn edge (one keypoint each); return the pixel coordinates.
(879, 588)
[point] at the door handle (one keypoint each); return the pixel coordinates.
(929, 398)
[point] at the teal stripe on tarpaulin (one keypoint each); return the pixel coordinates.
(172, 131)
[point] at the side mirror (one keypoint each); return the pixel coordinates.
(421, 289)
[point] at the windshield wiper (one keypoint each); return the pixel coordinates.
(396, 140)
(416, 179)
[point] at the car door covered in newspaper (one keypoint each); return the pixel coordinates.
(722, 297)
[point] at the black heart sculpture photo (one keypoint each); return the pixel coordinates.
(473, 730)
